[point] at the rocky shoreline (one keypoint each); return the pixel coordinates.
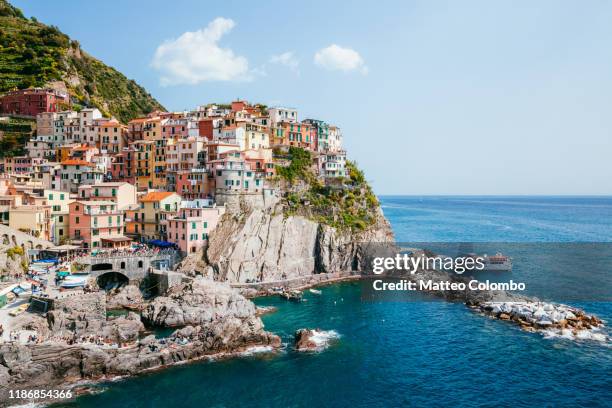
(83, 345)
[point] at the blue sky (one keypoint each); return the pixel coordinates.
(434, 97)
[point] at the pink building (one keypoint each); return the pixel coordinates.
(195, 220)
(175, 128)
(193, 184)
(21, 164)
(94, 223)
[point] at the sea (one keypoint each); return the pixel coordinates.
(419, 353)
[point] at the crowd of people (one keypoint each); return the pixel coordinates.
(135, 250)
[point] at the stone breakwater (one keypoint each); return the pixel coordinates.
(551, 319)
(531, 314)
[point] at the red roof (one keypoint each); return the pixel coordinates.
(156, 196)
(77, 162)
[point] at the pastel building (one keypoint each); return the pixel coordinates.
(59, 202)
(31, 102)
(280, 114)
(94, 224)
(121, 193)
(190, 228)
(32, 219)
(257, 136)
(75, 172)
(233, 174)
(145, 222)
(194, 183)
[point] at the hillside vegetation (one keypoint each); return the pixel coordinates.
(344, 203)
(14, 134)
(33, 54)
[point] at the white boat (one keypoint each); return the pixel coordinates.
(497, 262)
(74, 281)
(315, 291)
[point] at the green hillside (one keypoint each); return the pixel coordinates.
(33, 54)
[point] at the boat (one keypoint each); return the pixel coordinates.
(19, 309)
(315, 291)
(497, 262)
(74, 282)
(293, 295)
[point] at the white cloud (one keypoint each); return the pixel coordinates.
(287, 59)
(337, 58)
(196, 56)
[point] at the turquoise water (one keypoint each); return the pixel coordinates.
(419, 353)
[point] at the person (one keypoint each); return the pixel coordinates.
(1, 330)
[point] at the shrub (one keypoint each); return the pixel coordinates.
(14, 251)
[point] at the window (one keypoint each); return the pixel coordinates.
(76, 220)
(50, 196)
(60, 218)
(61, 232)
(61, 196)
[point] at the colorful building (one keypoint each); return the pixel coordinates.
(190, 228)
(92, 221)
(144, 222)
(31, 102)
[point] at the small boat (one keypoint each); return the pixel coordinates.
(73, 282)
(293, 295)
(315, 291)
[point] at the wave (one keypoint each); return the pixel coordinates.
(323, 338)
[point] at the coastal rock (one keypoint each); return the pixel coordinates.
(218, 321)
(264, 310)
(123, 329)
(303, 340)
(549, 318)
(78, 315)
(199, 302)
(128, 297)
(313, 339)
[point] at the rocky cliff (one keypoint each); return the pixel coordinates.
(261, 243)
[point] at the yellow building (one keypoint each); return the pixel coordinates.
(145, 222)
(257, 136)
(58, 200)
(32, 219)
(144, 163)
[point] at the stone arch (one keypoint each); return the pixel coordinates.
(112, 280)
(102, 267)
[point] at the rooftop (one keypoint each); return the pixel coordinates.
(156, 196)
